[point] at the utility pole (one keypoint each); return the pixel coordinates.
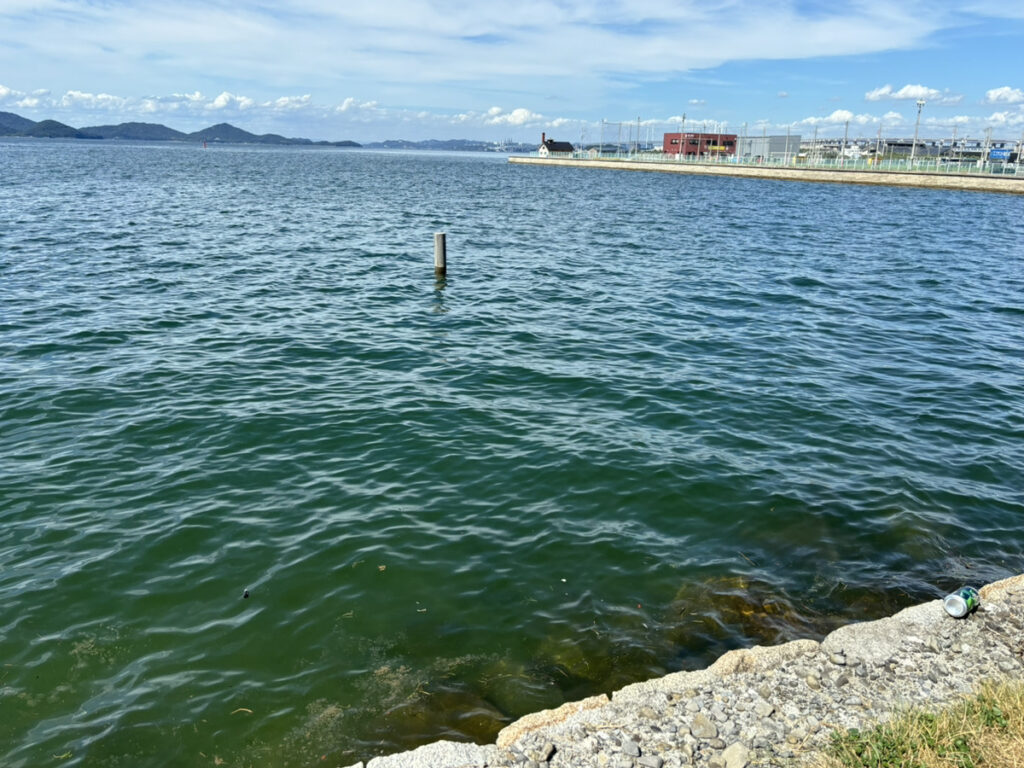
(682, 136)
(913, 149)
(846, 134)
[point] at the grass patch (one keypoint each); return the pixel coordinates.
(985, 730)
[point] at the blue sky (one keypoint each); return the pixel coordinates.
(416, 69)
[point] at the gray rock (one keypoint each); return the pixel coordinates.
(440, 754)
(763, 709)
(546, 752)
(796, 736)
(736, 755)
(650, 761)
(630, 748)
(702, 728)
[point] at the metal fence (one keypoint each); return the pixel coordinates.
(944, 165)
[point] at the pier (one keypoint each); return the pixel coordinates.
(850, 174)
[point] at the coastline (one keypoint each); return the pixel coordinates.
(965, 182)
(764, 706)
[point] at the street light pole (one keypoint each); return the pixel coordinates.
(913, 149)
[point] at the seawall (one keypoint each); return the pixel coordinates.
(968, 182)
(764, 706)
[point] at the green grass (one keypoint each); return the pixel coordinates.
(985, 730)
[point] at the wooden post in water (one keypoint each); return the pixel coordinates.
(440, 255)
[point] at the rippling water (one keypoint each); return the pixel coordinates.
(647, 418)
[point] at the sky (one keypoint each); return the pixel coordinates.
(579, 70)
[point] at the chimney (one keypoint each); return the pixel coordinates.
(542, 137)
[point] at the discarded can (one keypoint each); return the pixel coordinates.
(961, 602)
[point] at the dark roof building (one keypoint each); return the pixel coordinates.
(552, 147)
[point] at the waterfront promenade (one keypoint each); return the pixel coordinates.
(933, 179)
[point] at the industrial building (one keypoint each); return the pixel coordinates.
(700, 144)
(758, 149)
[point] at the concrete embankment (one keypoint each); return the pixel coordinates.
(969, 182)
(764, 706)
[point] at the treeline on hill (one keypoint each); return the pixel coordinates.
(15, 125)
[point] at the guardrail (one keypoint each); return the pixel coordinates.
(952, 166)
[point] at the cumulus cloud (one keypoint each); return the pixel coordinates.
(230, 101)
(84, 100)
(518, 116)
(1006, 119)
(839, 117)
(354, 105)
(1004, 95)
(913, 93)
(290, 103)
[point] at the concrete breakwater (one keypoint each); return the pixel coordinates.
(968, 182)
(764, 706)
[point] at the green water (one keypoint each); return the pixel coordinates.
(644, 420)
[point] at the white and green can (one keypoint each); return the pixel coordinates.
(960, 603)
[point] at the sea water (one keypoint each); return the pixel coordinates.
(645, 419)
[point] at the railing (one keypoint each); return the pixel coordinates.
(944, 165)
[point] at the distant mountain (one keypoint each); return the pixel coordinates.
(337, 143)
(135, 132)
(12, 124)
(229, 134)
(451, 145)
(51, 129)
(225, 133)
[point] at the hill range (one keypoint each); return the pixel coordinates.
(223, 133)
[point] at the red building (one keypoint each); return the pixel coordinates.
(700, 144)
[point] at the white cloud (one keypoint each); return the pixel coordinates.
(892, 117)
(1007, 119)
(518, 116)
(783, 95)
(29, 102)
(354, 105)
(913, 93)
(697, 102)
(290, 103)
(839, 117)
(83, 100)
(1004, 95)
(231, 101)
